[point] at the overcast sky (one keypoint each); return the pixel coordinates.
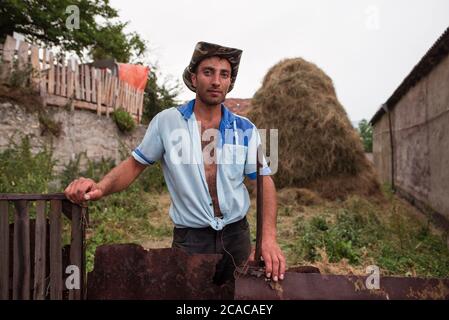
(366, 46)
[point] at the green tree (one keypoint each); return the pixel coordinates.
(43, 22)
(158, 97)
(366, 134)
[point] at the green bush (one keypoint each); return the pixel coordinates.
(366, 134)
(49, 125)
(124, 120)
(21, 171)
(119, 218)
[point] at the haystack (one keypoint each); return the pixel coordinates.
(318, 147)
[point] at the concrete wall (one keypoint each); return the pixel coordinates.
(421, 141)
(82, 131)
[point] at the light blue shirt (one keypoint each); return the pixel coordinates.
(173, 137)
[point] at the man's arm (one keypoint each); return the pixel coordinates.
(116, 180)
(271, 252)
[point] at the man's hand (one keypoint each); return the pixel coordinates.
(274, 259)
(82, 189)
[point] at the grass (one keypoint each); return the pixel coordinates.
(339, 237)
(346, 237)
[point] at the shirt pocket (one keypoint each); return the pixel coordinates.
(233, 160)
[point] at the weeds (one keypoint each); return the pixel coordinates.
(356, 230)
(124, 120)
(360, 232)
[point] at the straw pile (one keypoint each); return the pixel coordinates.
(318, 147)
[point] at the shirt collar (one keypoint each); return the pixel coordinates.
(227, 116)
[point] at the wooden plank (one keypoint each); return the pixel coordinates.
(76, 248)
(51, 74)
(4, 251)
(94, 84)
(99, 96)
(62, 101)
(57, 77)
(114, 93)
(130, 99)
(35, 68)
(142, 101)
(22, 55)
(55, 250)
(107, 78)
(70, 79)
(134, 101)
(9, 49)
(63, 78)
(43, 74)
(32, 196)
(86, 105)
(108, 94)
(77, 80)
(84, 223)
(21, 263)
(39, 252)
(111, 90)
(138, 107)
(44, 59)
(88, 83)
(125, 96)
(8, 56)
(119, 93)
(82, 83)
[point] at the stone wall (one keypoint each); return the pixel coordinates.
(82, 131)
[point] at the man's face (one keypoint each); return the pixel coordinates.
(212, 80)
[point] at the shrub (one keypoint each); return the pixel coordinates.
(21, 171)
(49, 125)
(124, 120)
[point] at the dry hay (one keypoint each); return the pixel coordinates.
(298, 196)
(318, 147)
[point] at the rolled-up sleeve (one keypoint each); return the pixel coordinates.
(151, 149)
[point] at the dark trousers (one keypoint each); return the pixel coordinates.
(233, 242)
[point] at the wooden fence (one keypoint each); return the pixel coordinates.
(33, 257)
(65, 82)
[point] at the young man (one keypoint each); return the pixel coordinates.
(205, 151)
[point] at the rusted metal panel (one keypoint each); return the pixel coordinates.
(128, 271)
(312, 286)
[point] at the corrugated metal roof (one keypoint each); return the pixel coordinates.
(431, 59)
